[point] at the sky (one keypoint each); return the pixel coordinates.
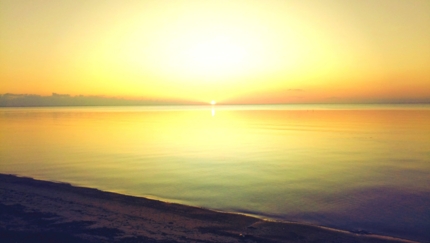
(309, 51)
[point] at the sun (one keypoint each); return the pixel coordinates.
(210, 56)
(218, 54)
(213, 102)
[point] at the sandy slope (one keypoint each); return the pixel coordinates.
(40, 211)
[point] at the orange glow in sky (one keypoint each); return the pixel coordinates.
(232, 51)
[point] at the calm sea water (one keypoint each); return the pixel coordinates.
(349, 167)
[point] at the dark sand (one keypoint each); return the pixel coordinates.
(40, 211)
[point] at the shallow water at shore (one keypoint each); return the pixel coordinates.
(348, 167)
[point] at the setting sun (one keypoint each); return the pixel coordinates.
(213, 56)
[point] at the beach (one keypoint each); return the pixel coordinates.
(41, 211)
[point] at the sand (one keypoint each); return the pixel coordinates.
(41, 211)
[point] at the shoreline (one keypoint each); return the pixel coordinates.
(35, 209)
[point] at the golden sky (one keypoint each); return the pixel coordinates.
(230, 51)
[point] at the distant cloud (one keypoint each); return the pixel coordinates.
(295, 90)
(31, 100)
(349, 100)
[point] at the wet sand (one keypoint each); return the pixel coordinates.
(41, 211)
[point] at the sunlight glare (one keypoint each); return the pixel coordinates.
(218, 54)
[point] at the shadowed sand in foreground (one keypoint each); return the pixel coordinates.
(40, 211)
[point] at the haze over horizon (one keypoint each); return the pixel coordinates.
(33, 100)
(235, 52)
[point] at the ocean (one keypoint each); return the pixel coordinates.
(350, 167)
